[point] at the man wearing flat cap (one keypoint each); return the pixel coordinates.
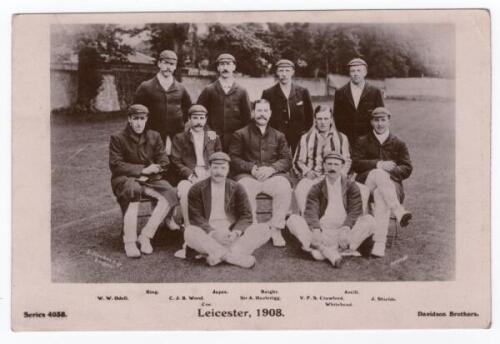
(291, 106)
(166, 98)
(354, 102)
(381, 161)
(333, 223)
(221, 220)
(227, 102)
(191, 150)
(137, 159)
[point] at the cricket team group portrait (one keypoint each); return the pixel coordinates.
(253, 152)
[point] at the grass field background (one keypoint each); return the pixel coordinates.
(86, 242)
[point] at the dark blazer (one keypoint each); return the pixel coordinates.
(183, 154)
(295, 122)
(367, 152)
(249, 147)
(317, 201)
(129, 154)
(351, 121)
(236, 205)
(168, 110)
(226, 112)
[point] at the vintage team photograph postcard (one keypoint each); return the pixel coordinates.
(251, 170)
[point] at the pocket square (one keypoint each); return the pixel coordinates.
(300, 103)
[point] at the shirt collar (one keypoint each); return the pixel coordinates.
(360, 86)
(227, 82)
(163, 80)
(381, 138)
(194, 133)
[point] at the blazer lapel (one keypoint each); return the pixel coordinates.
(233, 88)
(218, 88)
(207, 198)
(349, 96)
(364, 92)
(228, 193)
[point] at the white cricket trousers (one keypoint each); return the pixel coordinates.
(363, 228)
(157, 216)
(385, 201)
(278, 187)
(253, 237)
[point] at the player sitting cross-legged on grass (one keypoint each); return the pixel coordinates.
(333, 219)
(221, 218)
(137, 159)
(382, 162)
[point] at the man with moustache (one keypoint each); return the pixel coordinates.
(136, 160)
(227, 102)
(333, 223)
(190, 154)
(261, 160)
(381, 161)
(221, 220)
(308, 159)
(291, 104)
(166, 98)
(354, 102)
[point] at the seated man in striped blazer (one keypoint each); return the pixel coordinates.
(308, 159)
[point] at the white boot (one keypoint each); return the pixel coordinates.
(131, 250)
(145, 243)
(277, 238)
(378, 249)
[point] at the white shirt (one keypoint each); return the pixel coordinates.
(165, 82)
(198, 139)
(335, 213)
(382, 137)
(218, 218)
(226, 84)
(356, 91)
(262, 129)
(286, 89)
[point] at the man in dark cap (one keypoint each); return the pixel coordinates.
(381, 161)
(227, 102)
(333, 223)
(291, 104)
(167, 99)
(191, 150)
(137, 159)
(221, 219)
(354, 102)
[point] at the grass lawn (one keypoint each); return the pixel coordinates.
(86, 220)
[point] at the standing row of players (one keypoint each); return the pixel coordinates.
(219, 213)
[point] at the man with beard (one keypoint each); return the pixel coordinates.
(227, 102)
(355, 101)
(136, 159)
(308, 159)
(166, 99)
(333, 219)
(381, 161)
(291, 104)
(190, 153)
(221, 220)
(261, 160)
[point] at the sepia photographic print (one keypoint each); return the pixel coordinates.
(252, 170)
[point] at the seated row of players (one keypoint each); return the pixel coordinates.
(220, 214)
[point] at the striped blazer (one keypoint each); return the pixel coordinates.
(312, 145)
